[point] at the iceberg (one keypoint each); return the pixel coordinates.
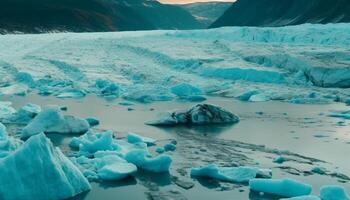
(51, 120)
(280, 187)
(201, 114)
(240, 174)
(107, 88)
(333, 192)
(47, 175)
(141, 159)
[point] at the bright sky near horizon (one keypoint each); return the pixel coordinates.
(190, 1)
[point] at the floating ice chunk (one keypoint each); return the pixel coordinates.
(201, 114)
(170, 147)
(116, 171)
(71, 93)
(24, 115)
(107, 88)
(51, 120)
(15, 89)
(185, 89)
(93, 121)
(333, 192)
(160, 150)
(90, 143)
(141, 159)
(319, 170)
(6, 110)
(25, 78)
(340, 114)
(259, 98)
(280, 160)
(134, 138)
(307, 197)
(231, 174)
(281, 187)
(47, 175)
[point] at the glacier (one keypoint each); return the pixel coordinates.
(284, 64)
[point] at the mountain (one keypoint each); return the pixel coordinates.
(207, 12)
(284, 12)
(36, 16)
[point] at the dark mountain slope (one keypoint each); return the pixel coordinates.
(207, 12)
(35, 16)
(284, 12)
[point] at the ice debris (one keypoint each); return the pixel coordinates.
(6, 110)
(93, 121)
(240, 174)
(188, 92)
(47, 175)
(280, 187)
(107, 88)
(170, 147)
(106, 165)
(142, 160)
(51, 120)
(71, 93)
(7, 144)
(333, 192)
(201, 114)
(134, 138)
(24, 115)
(340, 114)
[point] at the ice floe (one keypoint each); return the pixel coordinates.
(280, 187)
(306, 197)
(201, 114)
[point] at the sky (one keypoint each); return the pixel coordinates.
(189, 1)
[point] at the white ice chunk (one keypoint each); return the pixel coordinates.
(39, 171)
